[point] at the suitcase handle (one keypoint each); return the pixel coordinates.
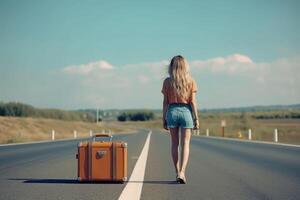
(102, 135)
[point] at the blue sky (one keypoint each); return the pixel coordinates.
(113, 54)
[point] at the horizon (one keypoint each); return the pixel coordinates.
(112, 55)
(219, 108)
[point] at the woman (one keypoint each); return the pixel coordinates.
(180, 111)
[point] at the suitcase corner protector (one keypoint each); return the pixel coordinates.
(79, 144)
(124, 179)
(124, 145)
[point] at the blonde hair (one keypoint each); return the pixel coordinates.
(179, 76)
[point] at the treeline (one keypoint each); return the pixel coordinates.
(287, 114)
(136, 116)
(253, 109)
(278, 115)
(13, 109)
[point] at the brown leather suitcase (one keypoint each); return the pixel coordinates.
(102, 160)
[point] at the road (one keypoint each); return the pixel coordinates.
(218, 169)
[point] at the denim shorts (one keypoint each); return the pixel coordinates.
(179, 115)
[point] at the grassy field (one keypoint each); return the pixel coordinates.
(237, 126)
(15, 129)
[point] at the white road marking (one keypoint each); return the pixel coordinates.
(251, 141)
(38, 142)
(133, 188)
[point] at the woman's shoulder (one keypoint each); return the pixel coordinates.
(166, 85)
(167, 80)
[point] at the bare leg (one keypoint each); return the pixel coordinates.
(185, 149)
(174, 147)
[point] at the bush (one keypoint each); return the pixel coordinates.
(295, 114)
(122, 117)
(138, 116)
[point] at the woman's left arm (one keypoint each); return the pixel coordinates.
(165, 107)
(195, 111)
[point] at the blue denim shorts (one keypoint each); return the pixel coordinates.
(179, 115)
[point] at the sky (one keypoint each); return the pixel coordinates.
(73, 54)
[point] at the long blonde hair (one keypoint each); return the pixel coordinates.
(179, 76)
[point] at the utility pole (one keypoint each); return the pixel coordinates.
(97, 115)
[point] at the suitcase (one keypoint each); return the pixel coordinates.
(102, 160)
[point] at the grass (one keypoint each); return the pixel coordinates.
(237, 126)
(15, 129)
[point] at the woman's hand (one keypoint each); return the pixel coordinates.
(165, 125)
(196, 124)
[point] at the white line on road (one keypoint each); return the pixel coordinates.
(252, 141)
(38, 142)
(133, 188)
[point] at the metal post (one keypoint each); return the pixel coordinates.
(223, 124)
(207, 132)
(97, 115)
(75, 134)
(249, 134)
(275, 135)
(53, 134)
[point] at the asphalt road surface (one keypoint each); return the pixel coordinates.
(218, 169)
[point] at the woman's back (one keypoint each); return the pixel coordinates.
(173, 97)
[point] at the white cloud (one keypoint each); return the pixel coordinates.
(139, 85)
(115, 88)
(88, 68)
(239, 81)
(223, 81)
(230, 64)
(239, 58)
(143, 78)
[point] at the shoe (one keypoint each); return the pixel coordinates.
(181, 180)
(177, 178)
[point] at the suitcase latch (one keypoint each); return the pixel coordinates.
(100, 154)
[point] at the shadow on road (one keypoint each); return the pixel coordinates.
(74, 181)
(60, 181)
(155, 182)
